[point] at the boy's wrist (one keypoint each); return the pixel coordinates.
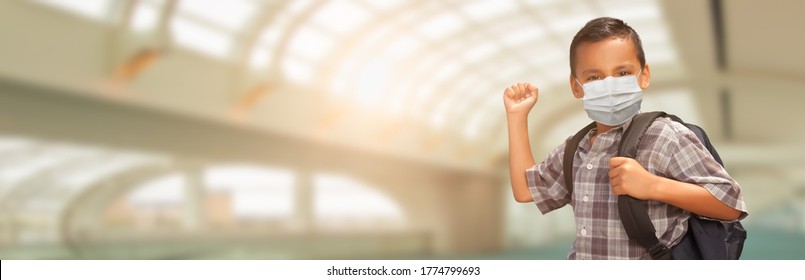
(657, 187)
(517, 122)
(516, 115)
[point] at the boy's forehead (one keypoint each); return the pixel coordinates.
(606, 54)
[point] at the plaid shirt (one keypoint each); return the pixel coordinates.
(668, 149)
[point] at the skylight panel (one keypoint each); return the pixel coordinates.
(447, 71)
(259, 58)
(403, 46)
(230, 14)
(481, 51)
(548, 56)
(373, 81)
(271, 34)
(310, 43)
(523, 35)
(342, 80)
(383, 5)
(200, 38)
(473, 127)
(297, 71)
(513, 23)
(340, 16)
(297, 6)
(145, 17)
(441, 25)
(93, 9)
(633, 10)
(487, 9)
(541, 3)
(566, 18)
(569, 25)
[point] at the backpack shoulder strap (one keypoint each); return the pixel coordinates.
(638, 127)
(570, 152)
(633, 212)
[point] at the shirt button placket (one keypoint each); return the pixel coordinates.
(580, 250)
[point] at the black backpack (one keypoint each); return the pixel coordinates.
(705, 239)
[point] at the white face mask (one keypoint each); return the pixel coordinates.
(613, 100)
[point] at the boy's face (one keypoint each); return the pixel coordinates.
(614, 57)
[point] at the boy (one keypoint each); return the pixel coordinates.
(672, 170)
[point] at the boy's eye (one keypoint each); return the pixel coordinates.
(593, 78)
(623, 73)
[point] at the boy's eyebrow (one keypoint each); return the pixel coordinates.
(624, 66)
(619, 67)
(591, 70)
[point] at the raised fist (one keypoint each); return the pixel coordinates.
(520, 98)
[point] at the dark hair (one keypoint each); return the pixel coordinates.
(604, 28)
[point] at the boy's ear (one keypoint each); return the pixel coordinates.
(578, 91)
(645, 77)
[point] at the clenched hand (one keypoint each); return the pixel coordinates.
(520, 98)
(627, 176)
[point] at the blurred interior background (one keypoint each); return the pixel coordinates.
(247, 129)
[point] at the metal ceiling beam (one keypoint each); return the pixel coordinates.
(38, 111)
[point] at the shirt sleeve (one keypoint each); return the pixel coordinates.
(546, 182)
(690, 162)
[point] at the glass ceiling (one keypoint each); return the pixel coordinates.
(439, 63)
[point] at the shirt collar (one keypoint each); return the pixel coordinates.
(616, 129)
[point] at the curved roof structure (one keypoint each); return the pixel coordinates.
(394, 102)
